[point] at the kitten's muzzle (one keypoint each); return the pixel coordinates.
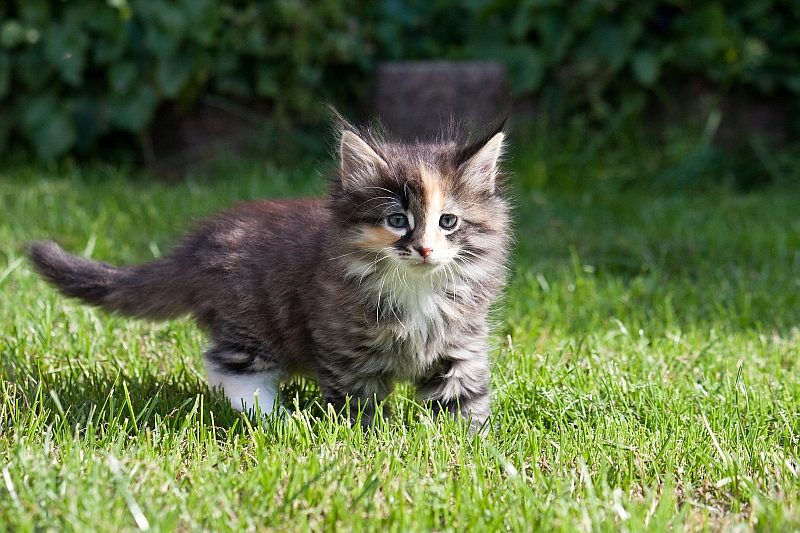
(425, 252)
(425, 260)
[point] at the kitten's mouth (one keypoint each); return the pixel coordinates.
(424, 264)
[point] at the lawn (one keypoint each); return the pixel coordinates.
(646, 367)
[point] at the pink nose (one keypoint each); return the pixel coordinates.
(425, 252)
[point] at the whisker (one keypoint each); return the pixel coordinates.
(470, 262)
(378, 308)
(373, 265)
(389, 205)
(454, 272)
(391, 307)
(386, 210)
(482, 258)
(382, 189)
(410, 288)
(470, 292)
(467, 275)
(448, 271)
(350, 253)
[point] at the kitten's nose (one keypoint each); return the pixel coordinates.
(425, 252)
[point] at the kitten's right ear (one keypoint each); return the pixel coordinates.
(480, 169)
(359, 162)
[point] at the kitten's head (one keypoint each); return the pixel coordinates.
(422, 209)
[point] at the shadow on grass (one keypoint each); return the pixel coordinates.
(115, 403)
(111, 405)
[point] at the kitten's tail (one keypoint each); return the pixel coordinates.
(153, 290)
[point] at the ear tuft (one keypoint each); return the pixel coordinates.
(358, 160)
(481, 169)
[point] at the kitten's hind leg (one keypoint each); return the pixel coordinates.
(247, 388)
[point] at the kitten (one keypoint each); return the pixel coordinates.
(388, 279)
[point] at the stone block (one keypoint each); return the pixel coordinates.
(414, 99)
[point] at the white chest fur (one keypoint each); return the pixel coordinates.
(420, 316)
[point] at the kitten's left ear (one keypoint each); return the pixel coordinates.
(481, 167)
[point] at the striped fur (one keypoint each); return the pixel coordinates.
(337, 289)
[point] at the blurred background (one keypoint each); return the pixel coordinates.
(710, 86)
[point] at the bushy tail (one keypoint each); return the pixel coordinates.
(154, 290)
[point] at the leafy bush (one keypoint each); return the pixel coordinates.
(71, 72)
(585, 49)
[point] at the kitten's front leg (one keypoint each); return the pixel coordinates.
(366, 395)
(460, 387)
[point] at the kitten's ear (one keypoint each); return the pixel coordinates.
(480, 169)
(359, 162)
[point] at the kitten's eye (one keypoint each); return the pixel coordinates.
(397, 220)
(448, 221)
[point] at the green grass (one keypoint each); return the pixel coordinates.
(646, 369)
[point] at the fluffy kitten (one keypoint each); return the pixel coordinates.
(388, 279)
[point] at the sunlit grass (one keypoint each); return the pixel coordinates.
(646, 374)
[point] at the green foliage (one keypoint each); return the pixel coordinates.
(71, 72)
(625, 153)
(586, 49)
